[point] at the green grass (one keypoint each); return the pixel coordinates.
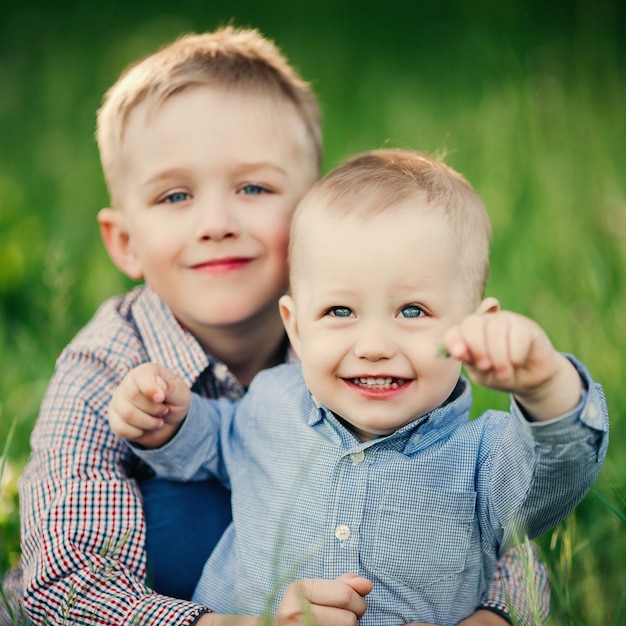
(528, 103)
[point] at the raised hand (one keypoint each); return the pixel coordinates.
(509, 352)
(149, 405)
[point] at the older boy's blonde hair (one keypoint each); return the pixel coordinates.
(231, 58)
(375, 182)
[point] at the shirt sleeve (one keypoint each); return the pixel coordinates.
(83, 528)
(557, 462)
(542, 470)
(196, 450)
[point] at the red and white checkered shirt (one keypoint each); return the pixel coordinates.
(83, 527)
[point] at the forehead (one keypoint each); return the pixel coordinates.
(394, 239)
(384, 259)
(252, 106)
(209, 127)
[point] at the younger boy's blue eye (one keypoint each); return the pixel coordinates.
(412, 310)
(176, 197)
(340, 311)
(252, 189)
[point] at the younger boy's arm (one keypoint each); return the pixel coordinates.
(149, 405)
(509, 352)
(154, 408)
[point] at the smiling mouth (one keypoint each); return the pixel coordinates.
(378, 382)
(223, 264)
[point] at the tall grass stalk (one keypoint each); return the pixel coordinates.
(5, 451)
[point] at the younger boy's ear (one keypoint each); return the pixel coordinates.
(287, 310)
(117, 242)
(488, 305)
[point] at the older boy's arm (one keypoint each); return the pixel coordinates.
(83, 530)
(517, 573)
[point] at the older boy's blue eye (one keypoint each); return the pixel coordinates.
(411, 311)
(176, 196)
(340, 311)
(252, 190)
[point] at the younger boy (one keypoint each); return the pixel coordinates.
(362, 459)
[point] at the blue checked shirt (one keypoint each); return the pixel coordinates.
(78, 493)
(424, 513)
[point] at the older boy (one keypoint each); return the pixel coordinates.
(206, 148)
(362, 459)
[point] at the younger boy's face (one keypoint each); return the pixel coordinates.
(208, 186)
(372, 299)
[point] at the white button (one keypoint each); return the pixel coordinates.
(593, 412)
(220, 371)
(357, 457)
(342, 532)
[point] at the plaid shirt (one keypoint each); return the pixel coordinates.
(83, 527)
(422, 512)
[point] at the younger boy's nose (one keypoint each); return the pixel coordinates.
(374, 345)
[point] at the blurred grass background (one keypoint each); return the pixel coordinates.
(526, 98)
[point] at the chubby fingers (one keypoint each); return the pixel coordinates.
(361, 585)
(145, 387)
(337, 602)
(137, 405)
(492, 342)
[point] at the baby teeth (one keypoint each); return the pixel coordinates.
(380, 382)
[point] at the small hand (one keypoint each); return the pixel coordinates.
(149, 405)
(509, 352)
(502, 350)
(338, 602)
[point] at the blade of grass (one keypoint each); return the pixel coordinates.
(609, 505)
(7, 445)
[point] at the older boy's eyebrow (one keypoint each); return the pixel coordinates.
(238, 169)
(246, 168)
(175, 172)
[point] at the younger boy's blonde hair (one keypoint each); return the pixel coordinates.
(231, 58)
(372, 183)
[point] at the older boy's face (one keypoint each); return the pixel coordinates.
(373, 298)
(209, 183)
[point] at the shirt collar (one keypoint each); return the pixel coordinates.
(166, 340)
(413, 436)
(172, 345)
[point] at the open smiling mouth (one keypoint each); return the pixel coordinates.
(379, 382)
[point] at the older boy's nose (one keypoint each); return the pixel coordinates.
(217, 221)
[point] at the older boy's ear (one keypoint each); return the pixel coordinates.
(117, 242)
(287, 310)
(488, 305)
